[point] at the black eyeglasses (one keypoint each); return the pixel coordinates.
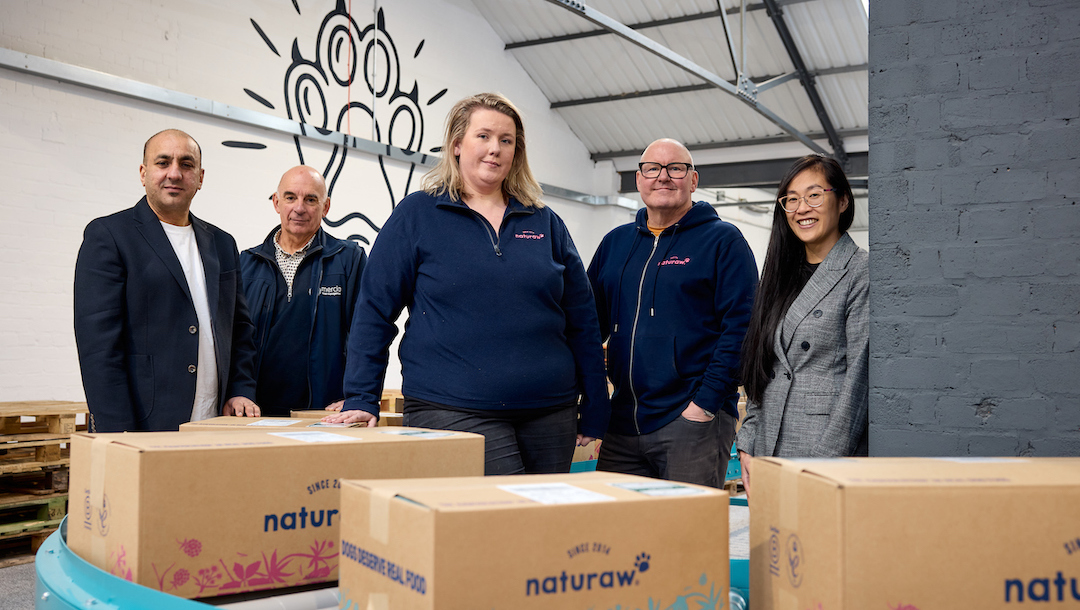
(674, 170)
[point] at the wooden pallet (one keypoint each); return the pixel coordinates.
(50, 417)
(25, 522)
(33, 452)
(734, 487)
(27, 512)
(48, 480)
(17, 549)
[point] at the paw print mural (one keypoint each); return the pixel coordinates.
(349, 79)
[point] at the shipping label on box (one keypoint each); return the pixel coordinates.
(915, 533)
(588, 540)
(199, 514)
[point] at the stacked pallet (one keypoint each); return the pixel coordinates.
(34, 458)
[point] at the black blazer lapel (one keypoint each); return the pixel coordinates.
(149, 226)
(211, 264)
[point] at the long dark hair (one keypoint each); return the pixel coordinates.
(779, 275)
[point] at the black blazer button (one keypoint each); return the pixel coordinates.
(817, 313)
(805, 345)
(191, 368)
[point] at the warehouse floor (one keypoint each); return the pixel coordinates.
(17, 587)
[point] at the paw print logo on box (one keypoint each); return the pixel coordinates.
(334, 86)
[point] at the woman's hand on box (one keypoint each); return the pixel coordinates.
(352, 416)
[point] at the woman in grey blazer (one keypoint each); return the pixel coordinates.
(806, 351)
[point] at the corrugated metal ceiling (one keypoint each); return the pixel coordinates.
(618, 97)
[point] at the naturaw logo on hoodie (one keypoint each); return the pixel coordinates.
(674, 260)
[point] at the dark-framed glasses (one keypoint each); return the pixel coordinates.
(813, 197)
(674, 170)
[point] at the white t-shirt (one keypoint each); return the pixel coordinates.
(206, 377)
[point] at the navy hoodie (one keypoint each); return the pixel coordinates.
(499, 317)
(674, 310)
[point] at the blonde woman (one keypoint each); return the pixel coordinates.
(502, 337)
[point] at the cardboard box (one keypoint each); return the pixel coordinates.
(588, 452)
(911, 533)
(199, 514)
(310, 413)
(232, 423)
(386, 418)
(588, 540)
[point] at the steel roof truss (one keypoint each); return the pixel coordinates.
(777, 16)
(650, 45)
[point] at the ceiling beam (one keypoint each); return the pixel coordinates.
(690, 88)
(807, 80)
(616, 154)
(510, 46)
(685, 64)
(748, 174)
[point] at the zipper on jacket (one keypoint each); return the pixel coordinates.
(494, 239)
(311, 331)
(633, 329)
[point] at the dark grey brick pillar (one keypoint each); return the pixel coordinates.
(975, 227)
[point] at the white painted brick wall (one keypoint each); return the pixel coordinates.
(70, 154)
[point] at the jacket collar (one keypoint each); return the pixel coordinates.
(699, 213)
(828, 274)
(841, 253)
(323, 241)
(442, 200)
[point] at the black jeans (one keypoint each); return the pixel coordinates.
(516, 441)
(684, 450)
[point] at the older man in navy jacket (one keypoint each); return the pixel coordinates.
(161, 326)
(301, 285)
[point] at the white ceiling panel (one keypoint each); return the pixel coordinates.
(617, 97)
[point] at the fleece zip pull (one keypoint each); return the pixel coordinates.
(489, 231)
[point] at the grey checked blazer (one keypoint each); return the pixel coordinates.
(816, 405)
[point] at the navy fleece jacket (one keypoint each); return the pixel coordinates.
(674, 310)
(498, 318)
(335, 269)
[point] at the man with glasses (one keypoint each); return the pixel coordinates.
(674, 292)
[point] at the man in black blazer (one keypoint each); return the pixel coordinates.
(161, 325)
